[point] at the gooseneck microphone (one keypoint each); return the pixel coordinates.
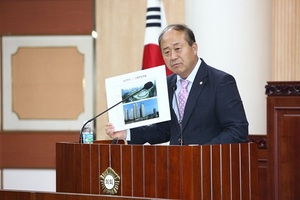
(179, 116)
(147, 86)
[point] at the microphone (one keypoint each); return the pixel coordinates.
(177, 105)
(180, 117)
(147, 86)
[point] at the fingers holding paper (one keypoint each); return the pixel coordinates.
(110, 131)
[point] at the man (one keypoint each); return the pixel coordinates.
(213, 112)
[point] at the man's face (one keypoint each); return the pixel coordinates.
(178, 55)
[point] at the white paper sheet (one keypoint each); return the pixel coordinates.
(147, 107)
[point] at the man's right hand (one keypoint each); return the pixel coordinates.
(110, 130)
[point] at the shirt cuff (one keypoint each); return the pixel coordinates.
(128, 135)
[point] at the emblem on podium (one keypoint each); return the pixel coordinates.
(110, 181)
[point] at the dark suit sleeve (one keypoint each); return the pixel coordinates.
(230, 112)
(153, 134)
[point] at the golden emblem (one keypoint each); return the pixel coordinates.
(110, 181)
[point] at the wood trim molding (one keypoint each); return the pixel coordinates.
(260, 140)
(282, 88)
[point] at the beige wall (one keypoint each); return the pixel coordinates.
(119, 46)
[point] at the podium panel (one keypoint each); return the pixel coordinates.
(283, 119)
(227, 171)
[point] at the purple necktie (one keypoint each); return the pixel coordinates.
(182, 97)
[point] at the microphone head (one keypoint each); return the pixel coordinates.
(148, 85)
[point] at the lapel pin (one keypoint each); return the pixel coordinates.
(201, 83)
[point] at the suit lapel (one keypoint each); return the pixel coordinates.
(197, 87)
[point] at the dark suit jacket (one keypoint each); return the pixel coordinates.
(214, 113)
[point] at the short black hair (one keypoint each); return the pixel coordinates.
(189, 35)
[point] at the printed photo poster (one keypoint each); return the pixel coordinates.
(143, 96)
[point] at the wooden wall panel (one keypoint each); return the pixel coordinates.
(285, 40)
(36, 149)
(261, 141)
(283, 119)
(26, 149)
(43, 17)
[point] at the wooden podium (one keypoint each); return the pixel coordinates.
(227, 171)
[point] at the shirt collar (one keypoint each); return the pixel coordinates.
(192, 76)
